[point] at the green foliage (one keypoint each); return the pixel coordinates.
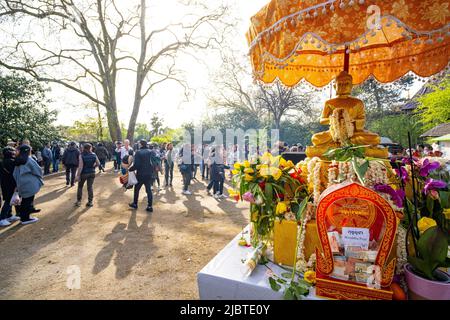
(434, 107)
(396, 127)
(169, 135)
(381, 100)
(294, 131)
(87, 130)
(24, 112)
(156, 125)
(141, 131)
(432, 248)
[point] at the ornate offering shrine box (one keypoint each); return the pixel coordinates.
(357, 229)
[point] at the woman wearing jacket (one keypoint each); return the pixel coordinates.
(28, 177)
(8, 185)
(86, 173)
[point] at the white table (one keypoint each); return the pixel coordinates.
(222, 278)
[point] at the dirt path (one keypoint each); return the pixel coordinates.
(121, 254)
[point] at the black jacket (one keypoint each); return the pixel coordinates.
(7, 181)
(143, 164)
(102, 153)
(56, 151)
(217, 172)
(71, 157)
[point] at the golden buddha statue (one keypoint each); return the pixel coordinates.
(346, 117)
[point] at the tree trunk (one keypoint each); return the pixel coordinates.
(140, 74)
(113, 122)
(134, 114)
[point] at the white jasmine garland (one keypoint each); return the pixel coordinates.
(348, 124)
(301, 260)
(332, 173)
(402, 257)
(316, 180)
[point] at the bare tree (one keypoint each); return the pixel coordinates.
(233, 87)
(182, 36)
(279, 101)
(96, 50)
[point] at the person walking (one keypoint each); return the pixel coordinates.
(28, 176)
(205, 162)
(168, 165)
(71, 160)
(56, 156)
(47, 157)
(102, 155)
(117, 156)
(156, 160)
(86, 174)
(8, 185)
(186, 160)
(144, 168)
(217, 173)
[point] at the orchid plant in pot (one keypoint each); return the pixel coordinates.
(428, 224)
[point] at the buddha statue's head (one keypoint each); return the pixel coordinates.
(344, 84)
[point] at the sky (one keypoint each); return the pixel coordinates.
(167, 99)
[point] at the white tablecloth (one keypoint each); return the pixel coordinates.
(222, 277)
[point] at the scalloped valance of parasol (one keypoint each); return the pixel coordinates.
(316, 39)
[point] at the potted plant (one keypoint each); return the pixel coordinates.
(428, 227)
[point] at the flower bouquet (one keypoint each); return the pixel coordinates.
(274, 188)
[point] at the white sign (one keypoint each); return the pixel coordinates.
(356, 237)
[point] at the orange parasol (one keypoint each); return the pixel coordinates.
(316, 39)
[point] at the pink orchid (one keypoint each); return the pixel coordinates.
(397, 196)
(249, 197)
(432, 184)
(402, 173)
(428, 166)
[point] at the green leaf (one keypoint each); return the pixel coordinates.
(301, 209)
(430, 205)
(274, 285)
(445, 198)
(269, 193)
(301, 290)
(433, 248)
(289, 294)
(286, 275)
(433, 245)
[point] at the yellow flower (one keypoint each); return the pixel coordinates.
(282, 162)
(233, 192)
(281, 208)
(246, 164)
(310, 277)
(267, 171)
(425, 223)
(242, 242)
(267, 158)
(234, 171)
(237, 165)
(248, 177)
(249, 170)
(447, 214)
(290, 164)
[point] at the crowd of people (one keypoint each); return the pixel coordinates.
(144, 164)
